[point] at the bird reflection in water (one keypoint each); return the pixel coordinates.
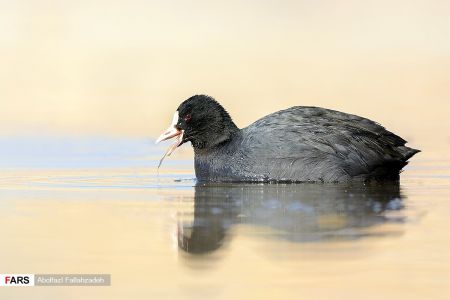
(294, 212)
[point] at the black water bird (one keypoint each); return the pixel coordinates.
(298, 144)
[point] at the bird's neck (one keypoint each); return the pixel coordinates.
(216, 138)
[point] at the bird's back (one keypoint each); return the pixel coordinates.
(317, 144)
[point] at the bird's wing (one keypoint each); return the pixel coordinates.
(324, 142)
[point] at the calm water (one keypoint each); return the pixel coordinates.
(77, 205)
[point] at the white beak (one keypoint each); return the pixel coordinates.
(170, 132)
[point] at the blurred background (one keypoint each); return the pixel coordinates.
(85, 87)
(120, 68)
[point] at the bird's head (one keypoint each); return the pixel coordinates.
(202, 121)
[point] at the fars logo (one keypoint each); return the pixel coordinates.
(16, 280)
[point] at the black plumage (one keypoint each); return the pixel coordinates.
(298, 144)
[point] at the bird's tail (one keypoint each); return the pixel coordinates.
(407, 152)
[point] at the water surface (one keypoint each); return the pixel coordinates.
(99, 206)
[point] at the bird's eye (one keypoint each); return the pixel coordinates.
(187, 118)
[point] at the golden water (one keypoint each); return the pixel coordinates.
(160, 237)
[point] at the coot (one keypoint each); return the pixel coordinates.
(298, 144)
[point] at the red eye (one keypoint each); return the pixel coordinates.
(187, 118)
